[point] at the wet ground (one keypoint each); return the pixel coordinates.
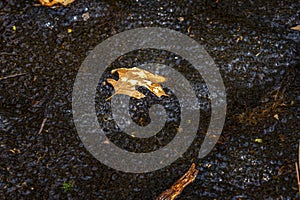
(252, 45)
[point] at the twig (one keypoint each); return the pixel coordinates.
(42, 126)
(299, 154)
(109, 98)
(297, 174)
(297, 169)
(6, 53)
(176, 189)
(11, 76)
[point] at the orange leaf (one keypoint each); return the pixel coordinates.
(296, 28)
(129, 78)
(53, 2)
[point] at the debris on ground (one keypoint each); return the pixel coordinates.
(50, 3)
(179, 185)
(296, 28)
(129, 78)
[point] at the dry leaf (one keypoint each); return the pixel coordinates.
(177, 188)
(296, 28)
(129, 78)
(53, 2)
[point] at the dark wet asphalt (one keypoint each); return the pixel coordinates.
(252, 45)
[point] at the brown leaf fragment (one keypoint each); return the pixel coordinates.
(179, 185)
(50, 3)
(129, 78)
(296, 28)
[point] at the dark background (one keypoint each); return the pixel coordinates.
(252, 45)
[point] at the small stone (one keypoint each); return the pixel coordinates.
(258, 140)
(181, 19)
(85, 16)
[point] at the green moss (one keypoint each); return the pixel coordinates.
(68, 186)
